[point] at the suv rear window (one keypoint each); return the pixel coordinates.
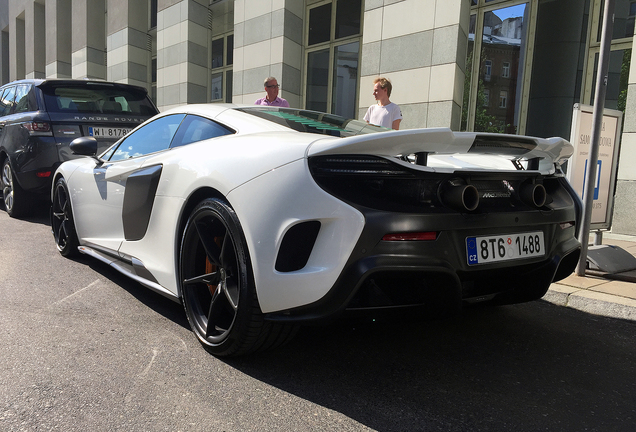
(97, 98)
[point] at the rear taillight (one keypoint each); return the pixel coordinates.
(416, 236)
(38, 128)
(66, 131)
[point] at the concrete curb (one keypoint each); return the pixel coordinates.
(593, 302)
(600, 293)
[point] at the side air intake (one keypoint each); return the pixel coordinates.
(296, 246)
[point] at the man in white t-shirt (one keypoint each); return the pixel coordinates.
(384, 112)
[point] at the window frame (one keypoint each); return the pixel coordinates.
(110, 153)
(6, 110)
(331, 45)
(479, 8)
(177, 139)
(594, 47)
(27, 96)
(488, 65)
(224, 70)
(505, 69)
(503, 99)
(152, 59)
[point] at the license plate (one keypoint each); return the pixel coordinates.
(106, 132)
(488, 249)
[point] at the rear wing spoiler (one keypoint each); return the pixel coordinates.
(542, 154)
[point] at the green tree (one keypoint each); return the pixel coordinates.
(484, 122)
(624, 80)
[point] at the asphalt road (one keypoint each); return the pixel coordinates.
(84, 349)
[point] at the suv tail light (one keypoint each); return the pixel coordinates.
(38, 128)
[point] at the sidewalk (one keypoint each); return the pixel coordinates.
(610, 295)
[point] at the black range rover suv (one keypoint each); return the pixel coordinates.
(39, 119)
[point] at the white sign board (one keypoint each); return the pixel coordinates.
(580, 137)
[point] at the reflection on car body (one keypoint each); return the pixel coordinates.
(258, 219)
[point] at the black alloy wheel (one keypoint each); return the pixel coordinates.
(62, 223)
(217, 284)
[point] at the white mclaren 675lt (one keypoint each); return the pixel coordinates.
(259, 219)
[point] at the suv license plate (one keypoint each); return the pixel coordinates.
(105, 132)
(482, 250)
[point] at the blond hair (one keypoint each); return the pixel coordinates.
(385, 84)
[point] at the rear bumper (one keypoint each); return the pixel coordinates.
(36, 162)
(389, 274)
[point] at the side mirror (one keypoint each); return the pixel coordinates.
(84, 146)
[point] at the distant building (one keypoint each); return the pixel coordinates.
(474, 65)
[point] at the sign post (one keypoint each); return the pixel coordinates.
(599, 102)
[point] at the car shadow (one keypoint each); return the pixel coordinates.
(39, 214)
(501, 368)
(533, 366)
(162, 305)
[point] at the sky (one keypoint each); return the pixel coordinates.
(510, 12)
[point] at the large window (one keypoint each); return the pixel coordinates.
(533, 60)
(152, 32)
(333, 43)
(624, 12)
(153, 14)
(620, 55)
(496, 63)
(221, 58)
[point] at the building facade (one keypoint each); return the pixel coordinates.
(509, 66)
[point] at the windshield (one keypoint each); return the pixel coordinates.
(96, 98)
(314, 121)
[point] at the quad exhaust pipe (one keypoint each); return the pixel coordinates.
(459, 196)
(533, 194)
(462, 197)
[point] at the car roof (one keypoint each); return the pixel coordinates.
(209, 109)
(227, 113)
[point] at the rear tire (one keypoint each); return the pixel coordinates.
(16, 201)
(217, 285)
(62, 222)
